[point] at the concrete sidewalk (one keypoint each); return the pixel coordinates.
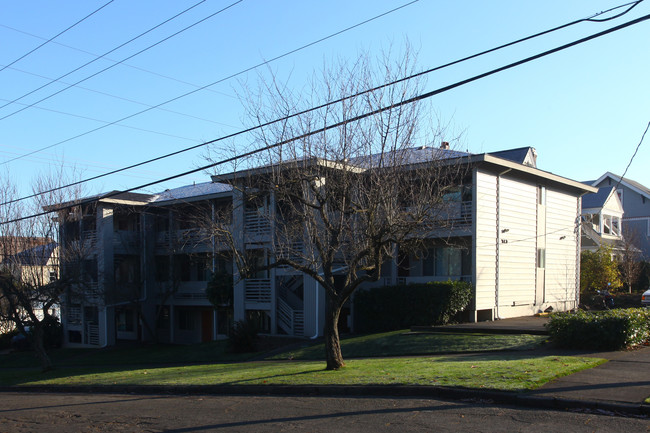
(621, 384)
(624, 380)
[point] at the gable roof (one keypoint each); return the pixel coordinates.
(36, 256)
(633, 185)
(522, 155)
(597, 199)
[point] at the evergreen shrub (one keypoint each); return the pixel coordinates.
(390, 308)
(600, 330)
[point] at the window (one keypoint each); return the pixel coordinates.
(124, 320)
(541, 258)
(446, 262)
(541, 195)
(185, 320)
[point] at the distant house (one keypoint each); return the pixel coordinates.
(35, 267)
(635, 199)
(602, 219)
(515, 237)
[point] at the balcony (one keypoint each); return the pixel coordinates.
(256, 224)
(257, 291)
(126, 240)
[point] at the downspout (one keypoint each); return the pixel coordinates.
(498, 246)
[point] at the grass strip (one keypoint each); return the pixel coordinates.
(399, 343)
(509, 372)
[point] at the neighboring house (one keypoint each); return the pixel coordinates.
(147, 259)
(37, 267)
(635, 199)
(602, 219)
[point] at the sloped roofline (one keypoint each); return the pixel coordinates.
(633, 185)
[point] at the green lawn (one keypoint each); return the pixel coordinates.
(387, 358)
(513, 372)
(404, 343)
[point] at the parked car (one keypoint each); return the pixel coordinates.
(22, 340)
(645, 298)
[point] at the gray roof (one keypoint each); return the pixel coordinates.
(597, 199)
(37, 256)
(189, 191)
(625, 181)
(517, 155)
(409, 156)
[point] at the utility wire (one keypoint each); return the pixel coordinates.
(633, 155)
(209, 85)
(341, 123)
(55, 36)
(94, 60)
(105, 58)
(247, 130)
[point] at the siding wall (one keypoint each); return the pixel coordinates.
(485, 239)
(561, 255)
(517, 246)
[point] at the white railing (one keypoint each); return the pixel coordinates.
(290, 320)
(126, 239)
(257, 290)
(460, 214)
(92, 334)
(89, 238)
(256, 223)
(192, 237)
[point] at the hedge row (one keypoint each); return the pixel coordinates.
(397, 307)
(600, 330)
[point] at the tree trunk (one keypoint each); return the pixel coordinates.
(333, 354)
(39, 347)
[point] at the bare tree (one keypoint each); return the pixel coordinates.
(630, 259)
(29, 284)
(344, 201)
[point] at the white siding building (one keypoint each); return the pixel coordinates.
(516, 240)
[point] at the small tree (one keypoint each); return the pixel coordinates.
(29, 283)
(598, 270)
(630, 262)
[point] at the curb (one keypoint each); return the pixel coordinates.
(455, 394)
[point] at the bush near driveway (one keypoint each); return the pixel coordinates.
(600, 330)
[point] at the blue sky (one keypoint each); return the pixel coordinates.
(583, 109)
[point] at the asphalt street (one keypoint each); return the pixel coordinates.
(61, 412)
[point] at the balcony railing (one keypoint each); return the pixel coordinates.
(256, 223)
(257, 291)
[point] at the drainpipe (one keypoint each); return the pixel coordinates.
(497, 265)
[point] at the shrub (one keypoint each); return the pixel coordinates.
(52, 332)
(5, 339)
(242, 337)
(600, 330)
(397, 307)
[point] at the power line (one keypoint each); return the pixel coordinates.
(341, 123)
(241, 132)
(633, 155)
(55, 36)
(122, 98)
(211, 84)
(108, 52)
(106, 58)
